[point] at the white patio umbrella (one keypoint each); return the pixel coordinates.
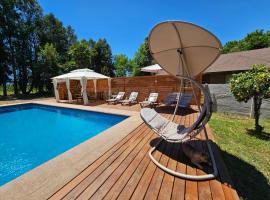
(152, 68)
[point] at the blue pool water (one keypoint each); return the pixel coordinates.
(32, 134)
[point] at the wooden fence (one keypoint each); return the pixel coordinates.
(163, 84)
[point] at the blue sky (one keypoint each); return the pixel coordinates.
(125, 23)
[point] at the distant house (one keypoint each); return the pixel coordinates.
(227, 64)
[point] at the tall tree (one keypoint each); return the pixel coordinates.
(71, 36)
(49, 65)
(28, 43)
(101, 57)
(254, 40)
(121, 64)
(9, 28)
(4, 69)
(54, 32)
(80, 55)
(142, 58)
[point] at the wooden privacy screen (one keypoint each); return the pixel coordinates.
(162, 84)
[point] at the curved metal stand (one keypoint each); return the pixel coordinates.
(182, 175)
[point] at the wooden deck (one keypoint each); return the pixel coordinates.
(126, 172)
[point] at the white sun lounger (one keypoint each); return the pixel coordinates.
(131, 100)
(116, 99)
(151, 101)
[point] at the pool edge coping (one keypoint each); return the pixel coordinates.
(44, 180)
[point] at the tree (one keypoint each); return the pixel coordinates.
(254, 40)
(8, 22)
(27, 44)
(101, 57)
(121, 64)
(231, 46)
(4, 69)
(80, 55)
(255, 84)
(53, 32)
(142, 58)
(23, 32)
(49, 65)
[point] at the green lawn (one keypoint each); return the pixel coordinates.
(246, 156)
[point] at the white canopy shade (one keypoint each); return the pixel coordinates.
(82, 75)
(79, 73)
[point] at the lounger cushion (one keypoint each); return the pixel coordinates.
(165, 128)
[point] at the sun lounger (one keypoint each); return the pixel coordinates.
(131, 100)
(117, 98)
(185, 99)
(151, 101)
(171, 99)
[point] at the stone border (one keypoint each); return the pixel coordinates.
(46, 179)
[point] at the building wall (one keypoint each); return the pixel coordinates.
(218, 77)
(163, 84)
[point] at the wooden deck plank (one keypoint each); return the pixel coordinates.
(123, 172)
(215, 184)
(227, 185)
(154, 187)
(168, 180)
(191, 186)
(122, 161)
(144, 181)
(179, 186)
(127, 179)
(126, 172)
(80, 177)
(111, 162)
(204, 190)
(155, 184)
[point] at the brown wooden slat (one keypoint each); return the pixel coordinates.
(168, 180)
(144, 180)
(179, 186)
(126, 172)
(155, 184)
(227, 185)
(204, 191)
(162, 84)
(121, 163)
(123, 171)
(216, 187)
(110, 163)
(80, 177)
(128, 178)
(191, 186)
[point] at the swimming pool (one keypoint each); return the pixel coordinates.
(31, 134)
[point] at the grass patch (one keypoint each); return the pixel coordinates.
(247, 156)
